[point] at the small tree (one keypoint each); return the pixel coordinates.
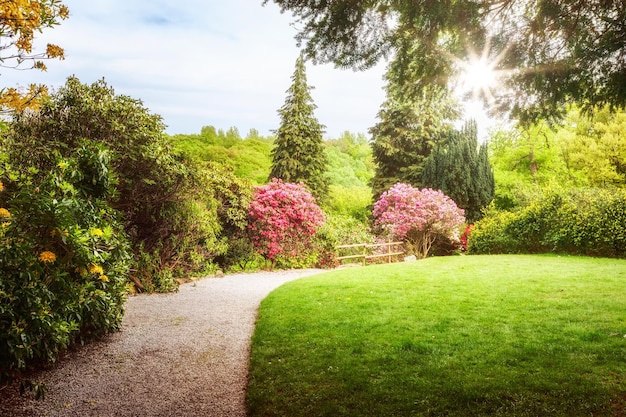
(298, 155)
(20, 21)
(283, 219)
(417, 217)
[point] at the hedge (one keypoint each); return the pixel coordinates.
(582, 222)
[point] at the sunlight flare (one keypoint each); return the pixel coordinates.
(479, 75)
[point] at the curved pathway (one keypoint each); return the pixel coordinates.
(179, 354)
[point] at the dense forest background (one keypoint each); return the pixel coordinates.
(584, 151)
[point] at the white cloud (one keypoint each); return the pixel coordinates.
(197, 63)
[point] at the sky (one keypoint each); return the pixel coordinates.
(197, 63)
(224, 63)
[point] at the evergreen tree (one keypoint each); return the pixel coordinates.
(485, 181)
(298, 154)
(411, 123)
(459, 168)
(550, 52)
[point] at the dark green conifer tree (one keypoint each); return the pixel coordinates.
(485, 181)
(298, 154)
(460, 168)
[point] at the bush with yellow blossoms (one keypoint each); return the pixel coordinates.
(64, 261)
(178, 212)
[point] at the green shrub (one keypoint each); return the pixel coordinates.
(64, 260)
(240, 255)
(580, 222)
(339, 230)
(534, 223)
(613, 219)
(176, 211)
(354, 201)
(231, 198)
(305, 259)
(597, 225)
(490, 236)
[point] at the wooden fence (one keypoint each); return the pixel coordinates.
(394, 249)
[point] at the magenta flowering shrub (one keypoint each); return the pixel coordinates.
(417, 217)
(283, 220)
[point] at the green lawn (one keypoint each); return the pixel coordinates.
(448, 336)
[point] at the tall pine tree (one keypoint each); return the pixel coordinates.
(298, 154)
(411, 120)
(409, 128)
(459, 168)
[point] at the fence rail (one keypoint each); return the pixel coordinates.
(366, 252)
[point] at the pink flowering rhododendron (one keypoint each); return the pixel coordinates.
(283, 219)
(417, 216)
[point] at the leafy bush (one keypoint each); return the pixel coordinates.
(240, 254)
(583, 222)
(591, 222)
(172, 206)
(339, 230)
(355, 202)
(417, 217)
(489, 235)
(231, 198)
(283, 220)
(64, 259)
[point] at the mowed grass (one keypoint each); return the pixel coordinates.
(448, 336)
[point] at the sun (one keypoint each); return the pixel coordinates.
(478, 78)
(478, 74)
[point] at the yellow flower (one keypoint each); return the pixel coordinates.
(47, 257)
(63, 165)
(4, 213)
(104, 278)
(1, 186)
(96, 269)
(96, 232)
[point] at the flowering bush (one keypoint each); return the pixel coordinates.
(64, 264)
(174, 208)
(417, 217)
(283, 220)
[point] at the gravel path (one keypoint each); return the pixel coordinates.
(179, 354)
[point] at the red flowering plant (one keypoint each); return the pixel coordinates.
(284, 218)
(417, 217)
(464, 240)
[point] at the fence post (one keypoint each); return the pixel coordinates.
(364, 253)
